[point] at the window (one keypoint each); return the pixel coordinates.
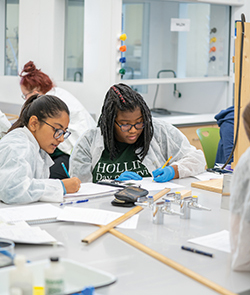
(74, 40)
(9, 25)
(156, 48)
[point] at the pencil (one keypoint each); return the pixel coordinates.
(167, 162)
(65, 169)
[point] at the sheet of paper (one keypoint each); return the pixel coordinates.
(95, 216)
(90, 189)
(27, 235)
(208, 175)
(20, 224)
(219, 241)
(21, 232)
(150, 185)
(29, 212)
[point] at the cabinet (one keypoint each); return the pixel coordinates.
(190, 133)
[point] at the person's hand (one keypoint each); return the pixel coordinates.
(163, 174)
(128, 175)
(72, 184)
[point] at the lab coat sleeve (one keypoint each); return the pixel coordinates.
(240, 215)
(80, 164)
(18, 184)
(4, 124)
(173, 142)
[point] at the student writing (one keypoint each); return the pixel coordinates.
(34, 81)
(24, 159)
(129, 144)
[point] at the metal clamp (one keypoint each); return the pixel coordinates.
(189, 203)
(161, 208)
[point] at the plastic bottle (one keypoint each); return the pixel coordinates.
(54, 277)
(21, 277)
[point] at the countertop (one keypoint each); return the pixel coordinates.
(184, 119)
(136, 272)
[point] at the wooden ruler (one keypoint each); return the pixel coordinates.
(182, 269)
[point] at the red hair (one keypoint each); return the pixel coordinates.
(32, 78)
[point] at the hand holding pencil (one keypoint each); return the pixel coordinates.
(72, 185)
(164, 173)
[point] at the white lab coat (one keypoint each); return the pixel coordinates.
(24, 170)
(4, 124)
(167, 141)
(240, 214)
(80, 119)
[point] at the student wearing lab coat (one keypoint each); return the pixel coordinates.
(34, 81)
(240, 206)
(128, 144)
(4, 124)
(24, 160)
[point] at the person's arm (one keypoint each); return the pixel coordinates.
(240, 215)
(186, 159)
(17, 182)
(80, 164)
(4, 124)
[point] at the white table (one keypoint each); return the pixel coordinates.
(138, 273)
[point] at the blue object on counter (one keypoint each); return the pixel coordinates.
(85, 291)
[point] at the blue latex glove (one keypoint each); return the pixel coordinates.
(128, 175)
(163, 174)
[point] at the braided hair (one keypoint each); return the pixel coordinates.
(42, 107)
(122, 98)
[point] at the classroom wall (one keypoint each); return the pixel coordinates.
(41, 39)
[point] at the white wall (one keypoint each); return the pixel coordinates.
(41, 39)
(41, 33)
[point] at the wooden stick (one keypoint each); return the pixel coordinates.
(193, 275)
(90, 238)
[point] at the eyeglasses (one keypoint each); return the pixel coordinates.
(25, 95)
(59, 132)
(128, 127)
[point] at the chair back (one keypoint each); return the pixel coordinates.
(209, 138)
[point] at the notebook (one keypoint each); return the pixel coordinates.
(92, 190)
(32, 214)
(21, 232)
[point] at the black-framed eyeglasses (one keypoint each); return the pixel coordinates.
(59, 132)
(128, 127)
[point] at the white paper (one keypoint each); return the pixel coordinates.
(208, 176)
(180, 24)
(90, 190)
(150, 185)
(19, 224)
(27, 235)
(29, 212)
(21, 232)
(96, 216)
(219, 241)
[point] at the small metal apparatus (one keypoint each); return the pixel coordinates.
(164, 207)
(186, 204)
(190, 203)
(158, 209)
